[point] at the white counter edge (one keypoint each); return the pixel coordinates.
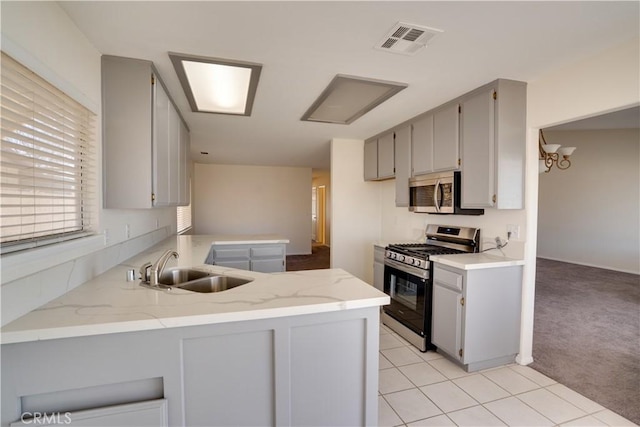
(482, 261)
(182, 321)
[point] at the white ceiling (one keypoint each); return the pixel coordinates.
(303, 45)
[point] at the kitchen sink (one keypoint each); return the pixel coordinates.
(195, 281)
(177, 276)
(213, 284)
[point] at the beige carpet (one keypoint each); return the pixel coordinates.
(586, 333)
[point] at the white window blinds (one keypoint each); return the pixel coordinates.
(183, 218)
(47, 162)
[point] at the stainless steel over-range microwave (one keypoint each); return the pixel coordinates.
(438, 193)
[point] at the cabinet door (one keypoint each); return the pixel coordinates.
(447, 320)
(371, 160)
(446, 138)
(173, 165)
(386, 160)
(422, 146)
(267, 265)
(403, 164)
(147, 413)
(161, 151)
(127, 112)
(477, 149)
(185, 167)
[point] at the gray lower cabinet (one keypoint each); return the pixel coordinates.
(150, 413)
(476, 315)
(315, 369)
(265, 258)
(378, 267)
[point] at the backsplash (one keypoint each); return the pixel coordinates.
(30, 292)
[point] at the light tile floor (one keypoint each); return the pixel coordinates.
(424, 389)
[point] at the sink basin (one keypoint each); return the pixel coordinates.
(176, 276)
(213, 284)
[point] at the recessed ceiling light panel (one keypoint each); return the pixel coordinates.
(348, 98)
(214, 85)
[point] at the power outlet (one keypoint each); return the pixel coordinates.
(127, 231)
(514, 230)
(106, 236)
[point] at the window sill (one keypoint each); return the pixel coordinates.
(24, 263)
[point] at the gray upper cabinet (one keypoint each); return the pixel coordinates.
(422, 146)
(481, 133)
(492, 144)
(386, 157)
(143, 135)
(371, 160)
(403, 164)
(379, 158)
(446, 138)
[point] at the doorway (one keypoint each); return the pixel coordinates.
(318, 214)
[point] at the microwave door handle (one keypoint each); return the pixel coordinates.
(436, 193)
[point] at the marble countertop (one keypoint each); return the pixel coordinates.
(475, 261)
(248, 239)
(111, 304)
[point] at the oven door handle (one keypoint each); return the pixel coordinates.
(436, 193)
(414, 271)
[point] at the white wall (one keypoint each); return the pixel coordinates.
(42, 37)
(355, 212)
(590, 213)
(230, 199)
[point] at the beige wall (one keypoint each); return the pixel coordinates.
(230, 199)
(589, 214)
(355, 212)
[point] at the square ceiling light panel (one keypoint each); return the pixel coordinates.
(348, 98)
(214, 85)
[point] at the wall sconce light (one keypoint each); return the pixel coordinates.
(553, 154)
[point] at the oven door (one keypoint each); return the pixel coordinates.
(411, 293)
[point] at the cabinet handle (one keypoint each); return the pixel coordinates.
(461, 301)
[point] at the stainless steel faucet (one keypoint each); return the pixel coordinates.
(151, 272)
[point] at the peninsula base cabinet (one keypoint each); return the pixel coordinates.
(265, 258)
(315, 369)
(476, 315)
(378, 267)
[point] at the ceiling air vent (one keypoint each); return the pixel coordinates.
(406, 39)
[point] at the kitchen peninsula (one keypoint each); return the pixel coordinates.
(284, 349)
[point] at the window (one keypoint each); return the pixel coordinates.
(184, 218)
(47, 184)
(183, 215)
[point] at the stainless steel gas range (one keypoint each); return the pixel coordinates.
(408, 280)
